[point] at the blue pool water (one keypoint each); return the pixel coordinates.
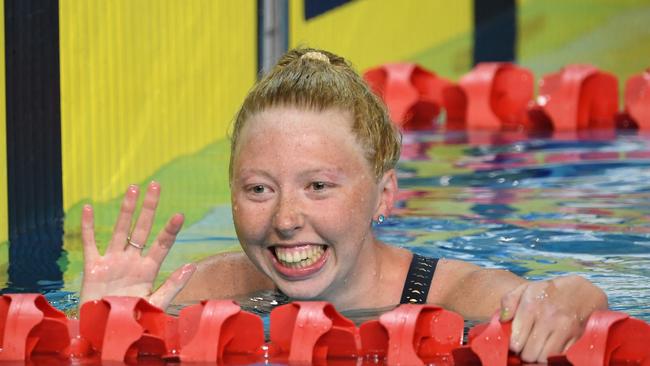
(539, 207)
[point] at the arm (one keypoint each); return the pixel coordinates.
(224, 275)
(471, 290)
(547, 316)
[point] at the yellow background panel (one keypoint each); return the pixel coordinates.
(144, 82)
(373, 32)
(613, 35)
(4, 220)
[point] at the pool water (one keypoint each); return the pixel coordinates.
(539, 207)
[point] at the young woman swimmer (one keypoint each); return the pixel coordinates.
(312, 166)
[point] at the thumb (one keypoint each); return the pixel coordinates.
(172, 286)
(510, 302)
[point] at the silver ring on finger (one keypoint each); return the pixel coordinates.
(134, 244)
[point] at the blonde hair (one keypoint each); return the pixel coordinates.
(319, 80)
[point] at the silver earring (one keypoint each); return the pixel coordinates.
(380, 219)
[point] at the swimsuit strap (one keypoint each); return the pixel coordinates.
(418, 280)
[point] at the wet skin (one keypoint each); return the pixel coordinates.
(301, 185)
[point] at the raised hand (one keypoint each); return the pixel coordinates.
(549, 316)
(124, 269)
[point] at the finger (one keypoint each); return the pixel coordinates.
(535, 343)
(510, 302)
(555, 344)
(88, 234)
(174, 284)
(143, 226)
(568, 344)
(123, 223)
(522, 323)
(166, 238)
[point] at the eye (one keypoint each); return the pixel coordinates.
(258, 192)
(258, 189)
(318, 186)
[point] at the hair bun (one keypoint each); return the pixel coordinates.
(315, 55)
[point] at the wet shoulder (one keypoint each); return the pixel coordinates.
(224, 275)
(447, 282)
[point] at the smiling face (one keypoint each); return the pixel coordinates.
(303, 197)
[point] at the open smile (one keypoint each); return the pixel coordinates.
(299, 261)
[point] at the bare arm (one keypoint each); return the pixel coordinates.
(470, 290)
(547, 316)
(221, 276)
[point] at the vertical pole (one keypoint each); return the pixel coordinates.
(495, 28)
(273, 32)
(34, 177)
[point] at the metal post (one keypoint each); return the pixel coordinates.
(273, 26)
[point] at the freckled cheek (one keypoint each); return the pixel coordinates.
(365, 203)
(344, 219)
(251, 221)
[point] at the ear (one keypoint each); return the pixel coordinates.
(387, 193)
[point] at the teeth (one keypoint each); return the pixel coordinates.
(298, 258)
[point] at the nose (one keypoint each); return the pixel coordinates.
(288, 218)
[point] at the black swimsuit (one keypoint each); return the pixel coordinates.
(418, 280)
